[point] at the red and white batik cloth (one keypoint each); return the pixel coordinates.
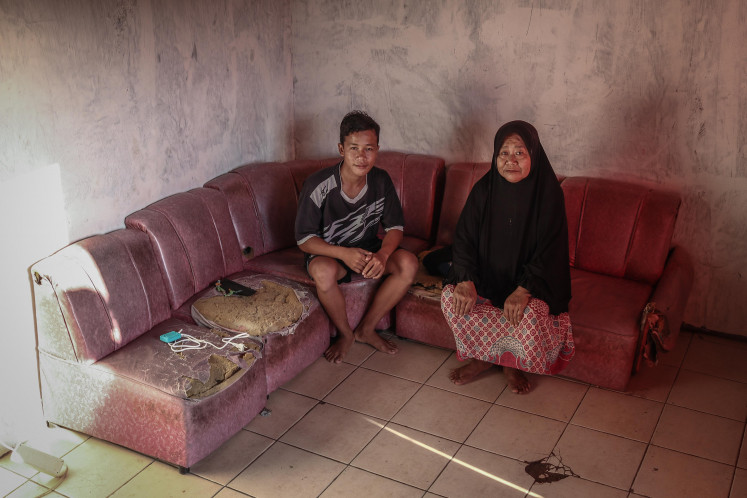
(542, 344)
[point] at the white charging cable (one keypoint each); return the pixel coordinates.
(189, 342)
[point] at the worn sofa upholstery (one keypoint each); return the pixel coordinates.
(101, 306)
(193, 237)
(620, 237)
(103, 302)
(621, 258)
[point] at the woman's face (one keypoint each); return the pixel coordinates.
(513, 159)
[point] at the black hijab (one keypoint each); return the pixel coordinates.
(512, 234)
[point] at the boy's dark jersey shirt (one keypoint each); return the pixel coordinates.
(325, 211)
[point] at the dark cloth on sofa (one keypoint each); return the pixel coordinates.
(512, 234)
(438, 261)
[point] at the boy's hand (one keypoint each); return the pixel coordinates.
(357, 259)
(375, 267)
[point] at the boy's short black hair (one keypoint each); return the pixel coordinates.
(357, 121)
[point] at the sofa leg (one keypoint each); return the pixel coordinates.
(183, 470)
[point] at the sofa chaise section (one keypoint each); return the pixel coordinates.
(101, 307)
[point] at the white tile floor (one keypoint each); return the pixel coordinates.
(382, 425)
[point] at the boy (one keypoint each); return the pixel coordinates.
(339, 211)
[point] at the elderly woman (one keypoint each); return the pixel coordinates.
(507, 292)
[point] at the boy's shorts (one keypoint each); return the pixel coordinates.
(373, 246)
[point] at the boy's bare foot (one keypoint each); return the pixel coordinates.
(337, 351)
(373, 339)
(468, 372)
(516, 380)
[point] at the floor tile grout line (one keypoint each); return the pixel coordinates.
(387, 421)
(278, 439)
(132, 477)
(717, 415)
(720, 377)
(651, 438)
(651, 444)
(390, 421)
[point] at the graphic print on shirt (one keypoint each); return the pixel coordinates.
(351, 229)
(321, 191)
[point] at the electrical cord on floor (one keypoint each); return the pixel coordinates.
(40, 461)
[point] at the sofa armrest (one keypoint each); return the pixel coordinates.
(673, 290)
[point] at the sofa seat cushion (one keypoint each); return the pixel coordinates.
(281, 321)
(106, 403)
(607, 304)
(186, 374)
(289, 263)
(604, 314)
(286, 352)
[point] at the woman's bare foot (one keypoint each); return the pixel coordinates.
(337, 351)
(373, 339)
(516, 380)
(468, 372)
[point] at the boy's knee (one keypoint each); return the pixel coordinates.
(407, 264)
(324, 273)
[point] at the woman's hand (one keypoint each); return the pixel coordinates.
(465, 297)
(516, 302)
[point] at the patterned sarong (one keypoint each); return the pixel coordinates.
(542, 344)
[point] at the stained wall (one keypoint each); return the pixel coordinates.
(651, 92)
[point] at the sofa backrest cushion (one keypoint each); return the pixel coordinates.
(618, 228)
(301, 169)
(418, 180)
(194, 240)
(108, 290)
(262, 200)
(460, 178)
(263, 197)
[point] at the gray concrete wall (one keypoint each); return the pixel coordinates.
(139, 99)
(109, 105)
(653, 92)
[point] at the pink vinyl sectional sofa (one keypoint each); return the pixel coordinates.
(102, 302)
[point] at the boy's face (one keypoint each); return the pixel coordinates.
(359, 152)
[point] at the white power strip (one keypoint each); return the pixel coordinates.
(41, 461)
